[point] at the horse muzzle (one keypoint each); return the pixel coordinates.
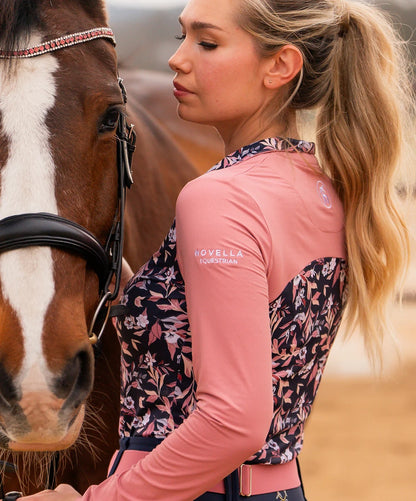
(49, 440)
(45, 416)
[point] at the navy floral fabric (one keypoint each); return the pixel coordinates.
(270, 144)
(304, 320)
(158, 390)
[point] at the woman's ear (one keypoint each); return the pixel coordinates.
(283, 67)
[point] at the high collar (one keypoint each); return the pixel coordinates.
(266, 145)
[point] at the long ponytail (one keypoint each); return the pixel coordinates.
(356, 74)
(360, 139)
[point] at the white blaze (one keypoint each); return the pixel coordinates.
(27, 185)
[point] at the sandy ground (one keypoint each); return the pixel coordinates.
(360, 441)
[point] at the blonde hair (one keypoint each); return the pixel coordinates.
(356, 73)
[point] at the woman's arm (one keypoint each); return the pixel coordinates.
(222, 251)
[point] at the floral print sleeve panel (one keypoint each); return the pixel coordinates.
(228, 373)
(157, 391)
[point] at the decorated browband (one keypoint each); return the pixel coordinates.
(59, 43)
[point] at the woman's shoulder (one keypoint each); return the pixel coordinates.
(271, 175)
(220, 193)
(208, 190)
(214, 182)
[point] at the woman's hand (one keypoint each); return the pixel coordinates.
(63, 492)
(126, 274)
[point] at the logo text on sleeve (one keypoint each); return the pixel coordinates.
(218, 256)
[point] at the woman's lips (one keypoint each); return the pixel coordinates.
(179, 90)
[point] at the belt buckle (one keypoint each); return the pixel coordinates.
(244, 480)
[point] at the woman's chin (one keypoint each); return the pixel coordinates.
(185, 113)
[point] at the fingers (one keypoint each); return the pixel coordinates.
(63, 492)
(67, 489)
(126, 271)
(40, 496)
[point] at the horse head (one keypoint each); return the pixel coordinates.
(60, 106)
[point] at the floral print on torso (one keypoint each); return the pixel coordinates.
(158, 390)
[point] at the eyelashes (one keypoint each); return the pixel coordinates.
(208, 45)
(205, 45)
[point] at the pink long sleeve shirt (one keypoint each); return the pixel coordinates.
(228, 326)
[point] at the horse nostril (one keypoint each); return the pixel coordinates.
(8, 392)
(75, 381)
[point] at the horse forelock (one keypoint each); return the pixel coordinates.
(17, 19)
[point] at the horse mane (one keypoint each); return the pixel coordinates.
(17, 18)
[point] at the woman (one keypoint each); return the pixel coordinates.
(260, 248)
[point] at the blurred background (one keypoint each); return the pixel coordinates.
(360, 441)
(146, 29)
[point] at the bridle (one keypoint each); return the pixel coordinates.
(51, 230)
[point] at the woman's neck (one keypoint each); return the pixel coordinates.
(236, 138)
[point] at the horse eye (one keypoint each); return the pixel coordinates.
(109, 121)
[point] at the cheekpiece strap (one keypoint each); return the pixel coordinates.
(60, 43)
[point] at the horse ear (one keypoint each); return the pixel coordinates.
(96, 9)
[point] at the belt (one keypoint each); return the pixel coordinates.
(247, 480)
(146, 444)
(251, 479)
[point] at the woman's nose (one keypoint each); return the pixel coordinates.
(179, 63)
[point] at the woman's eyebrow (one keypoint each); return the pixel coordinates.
(200, 25)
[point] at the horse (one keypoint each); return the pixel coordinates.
(64, 130)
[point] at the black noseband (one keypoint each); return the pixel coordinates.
(43, 229)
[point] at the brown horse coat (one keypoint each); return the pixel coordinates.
(57, 155)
